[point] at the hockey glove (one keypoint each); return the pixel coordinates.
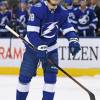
(42, 51)
(74, 46)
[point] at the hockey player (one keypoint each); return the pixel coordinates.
(45, 20)
(5, 17)
(86, 20)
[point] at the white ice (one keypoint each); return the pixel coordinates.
(66, 89)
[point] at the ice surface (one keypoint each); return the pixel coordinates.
(66, 89)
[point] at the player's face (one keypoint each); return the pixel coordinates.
(23, 6)
(76, 2)
(54, 2)
(83, 3)
(93, 2)
(3, 8)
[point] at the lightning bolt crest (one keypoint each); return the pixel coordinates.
(49, 28)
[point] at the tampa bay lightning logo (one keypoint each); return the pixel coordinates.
(71, 17)
(4, 20)
(49, 30)
(84, 19)
(22, 19)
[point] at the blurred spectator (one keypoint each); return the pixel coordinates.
(86, 20)
(21, 17)
(76, 3)
(13, 4)
(70, 10)
(88, 3)
(35, 1)
(13, 22)
(97, 11)
(5, 17)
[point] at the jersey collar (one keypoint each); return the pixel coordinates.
(45, 2)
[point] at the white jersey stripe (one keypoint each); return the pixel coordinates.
(33, 28)
(65, 31)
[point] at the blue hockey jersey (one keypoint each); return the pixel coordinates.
(44, 24)
(22, 19)
(85, 19)
(5, 18)
(71, 16)
(22, 16)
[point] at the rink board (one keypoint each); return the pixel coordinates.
(87, 61)
(71, 71)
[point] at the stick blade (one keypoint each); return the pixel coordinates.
(92, 96)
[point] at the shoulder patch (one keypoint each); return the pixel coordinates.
(38, 5)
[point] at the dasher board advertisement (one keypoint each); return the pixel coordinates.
(88, 57)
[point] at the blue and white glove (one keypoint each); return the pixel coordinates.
(42, 51)
(74, 46)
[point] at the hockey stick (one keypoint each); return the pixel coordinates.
(91, 95)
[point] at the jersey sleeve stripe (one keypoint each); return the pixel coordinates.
(33, 28)
(93, 25)
(65, 31)
(95, 20)
(83, 28)
(75, 22)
